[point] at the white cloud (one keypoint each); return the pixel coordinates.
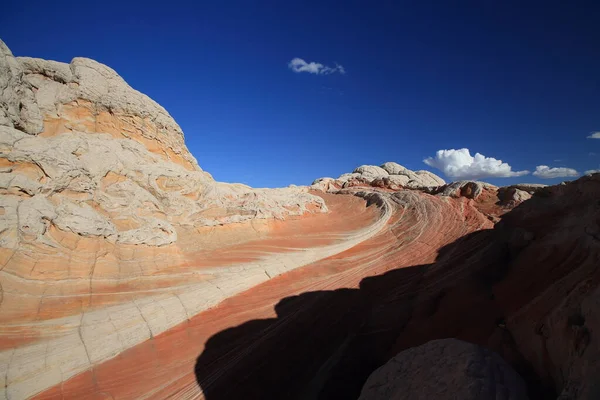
(459, 164)
(299, 65)
(545, 172)
(591, 171)
(594, 135)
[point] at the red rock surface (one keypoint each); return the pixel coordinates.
(527, 289)
(148, 279)
(311, 327)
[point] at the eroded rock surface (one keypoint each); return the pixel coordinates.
(390, 175)
(18, 106)
(127, 272)
(102, 205)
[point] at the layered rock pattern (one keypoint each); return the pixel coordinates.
(389, 175)
(251, 330)
(127, 272)
(102, 205)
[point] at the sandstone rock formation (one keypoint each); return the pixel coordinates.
(98, 192)
(468, 189)
(18, 106)
(389, 175)
(526, 289)
(491, 200)
(515, 194)
(445, 369)
(127, 272)
(393, 176)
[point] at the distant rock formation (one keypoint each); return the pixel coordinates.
(445, 369)
(491, 200)
(390, 175)
(516, 194)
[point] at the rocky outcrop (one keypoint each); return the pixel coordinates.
(18, 106)
(514, 195)
(390, 175)
(79, 136)
(468, 189)
(370, 172)
(489, 199)
(418, 178)
(102, 205)
(127, 272)
(445, 369)
(552, 284)
(436, 267)
(88, 97)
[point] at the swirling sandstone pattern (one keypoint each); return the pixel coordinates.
(127, 272)
(400, 237)
(110, 232)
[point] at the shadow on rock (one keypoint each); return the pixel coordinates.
(324, 345)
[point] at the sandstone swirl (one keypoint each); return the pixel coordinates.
(127, 272)
(110, 232)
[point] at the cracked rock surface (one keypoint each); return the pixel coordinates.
(102, 204)
(126, 271)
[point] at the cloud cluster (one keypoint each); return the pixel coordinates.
(594, 135)
(459, 164)
(299, 65)
(545, 172)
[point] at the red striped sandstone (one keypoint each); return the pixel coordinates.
(109, 230)
(382, 252)
(127, 272)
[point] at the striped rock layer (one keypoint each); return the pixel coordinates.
(126, 271)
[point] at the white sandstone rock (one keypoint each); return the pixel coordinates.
(83, 220)
(109, 154)
(371, 172)
(18, 107)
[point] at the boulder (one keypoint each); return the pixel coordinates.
(390, 175)
(468, 189)
(416, 179)
(370, 172)
(393, 168)
(512, 195)
(427, 178)
(445, 369)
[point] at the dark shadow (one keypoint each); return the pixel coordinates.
(325, 344)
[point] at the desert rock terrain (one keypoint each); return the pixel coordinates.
(126, 271)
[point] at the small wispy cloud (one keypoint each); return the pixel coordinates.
(594, 135)
(591, 171)
(459, 164)
(545, 172)
(299, 65)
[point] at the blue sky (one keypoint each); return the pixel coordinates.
(513, 82)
